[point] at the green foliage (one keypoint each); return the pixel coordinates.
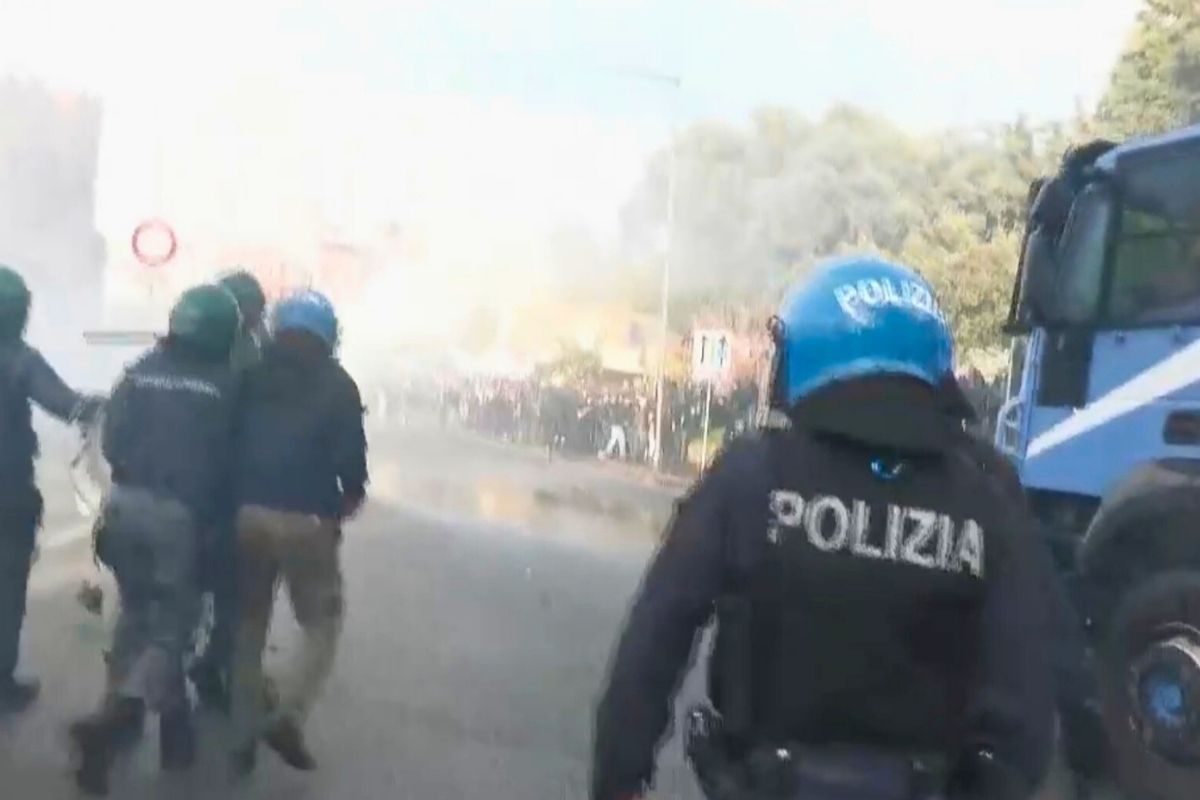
(973, 276)
(757, 207)
(573, 367)
(1155, 85)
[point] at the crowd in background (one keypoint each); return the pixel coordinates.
(612, 421)
(986, 396)
(615, 420)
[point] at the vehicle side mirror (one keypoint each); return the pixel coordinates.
(1049, 213)
(1039, 279)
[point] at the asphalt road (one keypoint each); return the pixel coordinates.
(485, 587)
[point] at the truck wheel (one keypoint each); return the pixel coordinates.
(1150, 687)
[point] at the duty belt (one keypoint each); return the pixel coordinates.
(799, 772)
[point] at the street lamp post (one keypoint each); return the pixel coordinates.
(675, 83)
(660, 380)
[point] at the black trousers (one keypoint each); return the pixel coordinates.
(218, 577)
(20, 516)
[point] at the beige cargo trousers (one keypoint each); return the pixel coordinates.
(300, 551)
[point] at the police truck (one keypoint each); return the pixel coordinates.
(1102, 422)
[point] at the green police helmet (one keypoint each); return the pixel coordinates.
(248, 292)
(14, 304)
(207, 319)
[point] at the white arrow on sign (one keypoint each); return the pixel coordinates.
(712, 354)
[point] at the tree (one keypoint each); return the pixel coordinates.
(757, 206)
(973, 276)
(1155, 85)
(573, 367)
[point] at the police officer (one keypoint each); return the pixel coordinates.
(211, 672)
(301, 472)
(252, 303)
(882, 608)
(24, 376)
(167, 437)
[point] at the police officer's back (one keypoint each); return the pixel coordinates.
(301, 446)
(168, 425)
(168, 438)
(880, 601)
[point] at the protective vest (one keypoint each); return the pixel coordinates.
(859, 623)
(18, 442)
(168, 429)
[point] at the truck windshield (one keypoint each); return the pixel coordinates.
(1156, 258)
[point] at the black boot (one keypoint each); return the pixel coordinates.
(287, 740)
(93, 757)
(17, 696)
(132, 723)
(211, 686)
(243, 762)
(131, 726)
(176, 741)
(97, 740)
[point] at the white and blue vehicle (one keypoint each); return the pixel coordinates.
(1103, 425)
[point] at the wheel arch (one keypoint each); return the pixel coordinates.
(1148, 522)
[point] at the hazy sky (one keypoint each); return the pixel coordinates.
(258, 117)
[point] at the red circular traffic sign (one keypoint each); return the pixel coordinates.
(154, 243)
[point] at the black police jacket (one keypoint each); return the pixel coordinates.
(910, 611)
(301, 445)
(168, 429)
(24, 376)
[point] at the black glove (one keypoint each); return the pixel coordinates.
(351, 505)
(980, 775)
(708, 751)
(1085, 744)
(86, 410)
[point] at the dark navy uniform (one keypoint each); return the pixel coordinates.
(867, 600)
(168, 431)
(300, 407)
(218, 569)
(877, 591)
(168, 438)
(24, 376)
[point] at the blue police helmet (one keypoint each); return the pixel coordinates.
(858, 317)
(307, 310)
